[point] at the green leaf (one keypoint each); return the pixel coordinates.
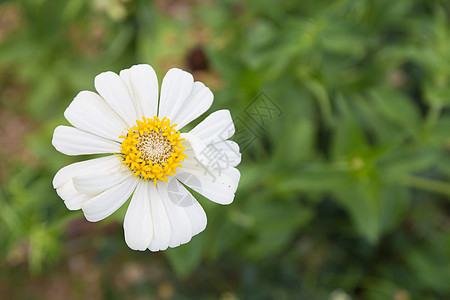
(362, 203)
(313, 178)
(397, 108)
(402, 161)
(275, 225)
(186, 258)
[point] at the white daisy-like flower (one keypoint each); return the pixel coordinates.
(148, 158)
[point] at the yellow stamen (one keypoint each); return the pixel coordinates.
(152, 149)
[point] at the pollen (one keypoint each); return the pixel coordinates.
(152, 149)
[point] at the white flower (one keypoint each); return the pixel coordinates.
(147, 156)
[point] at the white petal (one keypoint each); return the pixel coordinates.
(63, 182)
(142, 85)
(235, 175)
(175, 89)
(199, 162)
(104, 204)
(102, 178)
(197, 216)
(195, 105)
(73, 141)
(222, 154)
(138, 224)
(161, 223)
(218, 126)
(89, 112)
(112, 88)
(181, 197)
(68, 172)
(230, 152)
(225, 153)
(72, 198)
(216, 186)
(205, 174)
(180, 224)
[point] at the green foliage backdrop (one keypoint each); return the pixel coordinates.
(342, 113)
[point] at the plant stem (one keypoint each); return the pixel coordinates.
(428, 184)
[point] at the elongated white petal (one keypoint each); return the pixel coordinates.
(73, 141)
(104, 204)
(138, 224)
(72, 198)
(181, 228)
(196, 104)
(205, 173)
(182, 198)
(175, 89)
(224, 153)
(229, 151)
(214, 185)
(142, 85)
(89, 112)
(197, 216)
(161, 223)
(63, 180)
(235, 175)
(102, 178)
(217, 127)
(112, 88)
(220, 155)
(70, 171)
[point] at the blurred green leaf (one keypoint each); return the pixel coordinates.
(274, 227)
(397, 108)
(362, 202)
(186, 258)
(315, 178)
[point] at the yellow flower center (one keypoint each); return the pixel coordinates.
(152, 149)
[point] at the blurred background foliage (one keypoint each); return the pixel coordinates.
(342, 112)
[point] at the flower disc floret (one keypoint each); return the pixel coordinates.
(152, 149)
